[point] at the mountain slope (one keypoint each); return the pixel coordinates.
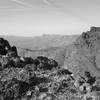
(86, 53)
(80, 55)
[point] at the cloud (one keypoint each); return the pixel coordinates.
(17, 1)
(46, 2)
(21, 3)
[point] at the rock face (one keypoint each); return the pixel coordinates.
(6, 49)
(95, 29)
(85, 53)
(88, 45)
(12, 51)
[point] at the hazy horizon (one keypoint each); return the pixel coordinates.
(37, 17)
(34, 36)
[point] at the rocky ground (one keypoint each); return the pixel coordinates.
(43, 78)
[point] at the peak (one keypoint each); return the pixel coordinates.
(90, 38)
(95, 29)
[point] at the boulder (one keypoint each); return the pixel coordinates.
(45, 63)
(12, 52)
(4, 46)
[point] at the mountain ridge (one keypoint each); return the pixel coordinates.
(41, 42)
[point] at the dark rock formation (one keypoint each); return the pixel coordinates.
(4, 46)
(64, 72)
(33, 81)
(95, 29)
(43, 89)
(91, 79)
(45, 63)
(12, 52)
(28, 60)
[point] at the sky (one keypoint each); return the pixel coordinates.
(37, 17)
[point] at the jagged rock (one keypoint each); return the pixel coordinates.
(85, 55)
(91, 79)
(28, 60)
(23, 88)
(12, 52)
(4, 46)
(95, 29)
(20, 62)
(5, 62)
(44, 63)
(43, 89)
(13, 89)
(64, 72)
(17, 62)
(33, 81)
(6, 49)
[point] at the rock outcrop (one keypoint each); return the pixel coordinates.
(4, 46)
(88, 45)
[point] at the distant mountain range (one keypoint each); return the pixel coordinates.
(41, 42)
(52, 46)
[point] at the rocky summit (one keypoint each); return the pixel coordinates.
(59, 73)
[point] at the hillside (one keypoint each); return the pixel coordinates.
(86, 53)
(77, 54)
